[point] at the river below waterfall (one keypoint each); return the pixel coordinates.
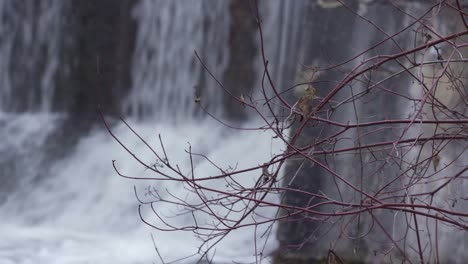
(81, 211)
(61, 201)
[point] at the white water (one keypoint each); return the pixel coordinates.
(84, 213)
(166, 74)
(30, 34)
(76, 209)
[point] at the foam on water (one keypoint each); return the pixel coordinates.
(83, 212)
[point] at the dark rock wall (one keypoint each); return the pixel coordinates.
(240, 74)
(331, 34)
(103, 37)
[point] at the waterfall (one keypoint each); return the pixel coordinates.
(30, 38)
(60, 199)
(166, 75)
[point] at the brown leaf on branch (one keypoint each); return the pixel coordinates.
(305, 102)
(242, 100)
(305, 78)
(435, 162)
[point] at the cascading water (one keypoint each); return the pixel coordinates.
(24, 65)
(63, 202)
(166, 74)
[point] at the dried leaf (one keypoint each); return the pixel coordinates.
(242, 99)
(435, 161)
(305, 103)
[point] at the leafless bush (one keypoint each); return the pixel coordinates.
(396, 175)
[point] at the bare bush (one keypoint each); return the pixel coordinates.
(374, 166)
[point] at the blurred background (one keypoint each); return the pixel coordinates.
(60, 199)
(60, 60)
